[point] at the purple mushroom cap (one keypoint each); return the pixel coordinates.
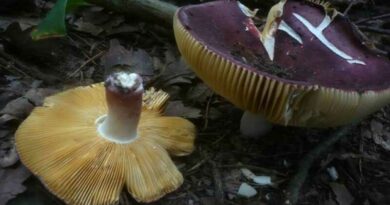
(307, 59)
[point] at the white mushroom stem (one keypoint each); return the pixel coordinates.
(124, 100)
(254, 125)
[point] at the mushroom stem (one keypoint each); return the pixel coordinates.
(124, 100)
(254, 125)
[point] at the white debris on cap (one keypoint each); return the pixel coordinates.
(318, 32)
(128, 80)
(247, 11)
(246, 190)
(290, 31)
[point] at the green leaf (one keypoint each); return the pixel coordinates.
(73, 4)
(54, 23)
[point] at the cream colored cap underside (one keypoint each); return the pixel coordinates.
(58, 142)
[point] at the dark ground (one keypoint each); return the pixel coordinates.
(31, 70)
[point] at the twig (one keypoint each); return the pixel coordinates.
(350, 5)
(31, 70)
(10, 67)
(305, 164)
(86, 63)
(218, 186)
(197, 165)
(156, 80)
(375, 30)
(373, 18)
(254, 168)
(206, 116)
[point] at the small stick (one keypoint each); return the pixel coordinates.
(86, 63)
(218, 186)
(12, 68)
(383, 16)
(252, 167)
(350, 5)
(375, 30)
(31, 70)
(305, 164)
(206, 116)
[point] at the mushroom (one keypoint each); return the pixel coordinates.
(307, 66)
(86, 144)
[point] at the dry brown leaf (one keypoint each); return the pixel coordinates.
(118, 57)
(199, 93)
(380, 135)
(176, 72)
(19, 108)
(11, 182)
(37, 95)
(86, 27)
(177, 108)
(8, 156)
(343, 196)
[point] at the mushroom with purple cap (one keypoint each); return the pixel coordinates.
(89, 143)
(307, 66)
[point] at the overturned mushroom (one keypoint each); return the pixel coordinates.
(86, 144)
(306, 67)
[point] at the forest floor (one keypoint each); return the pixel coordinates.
(354, 171)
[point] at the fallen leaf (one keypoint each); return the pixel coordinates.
(214, 113)
(86, 27)
(199, 93)
(18, 108)
(6, 118)
(376, 127)
(4, 133)
(37, 95)
(8, 157)
(142, 62)
(11, 182)
(95, 15)
(35, 194)
(24, 23)
(177, 108)
(380, 135)
(113, 25)
(208, 200)
(123, 29)
(176, 72)
(118, 57)
(343, 196)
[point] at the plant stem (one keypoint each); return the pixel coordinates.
(151, 9)
(124, 101)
